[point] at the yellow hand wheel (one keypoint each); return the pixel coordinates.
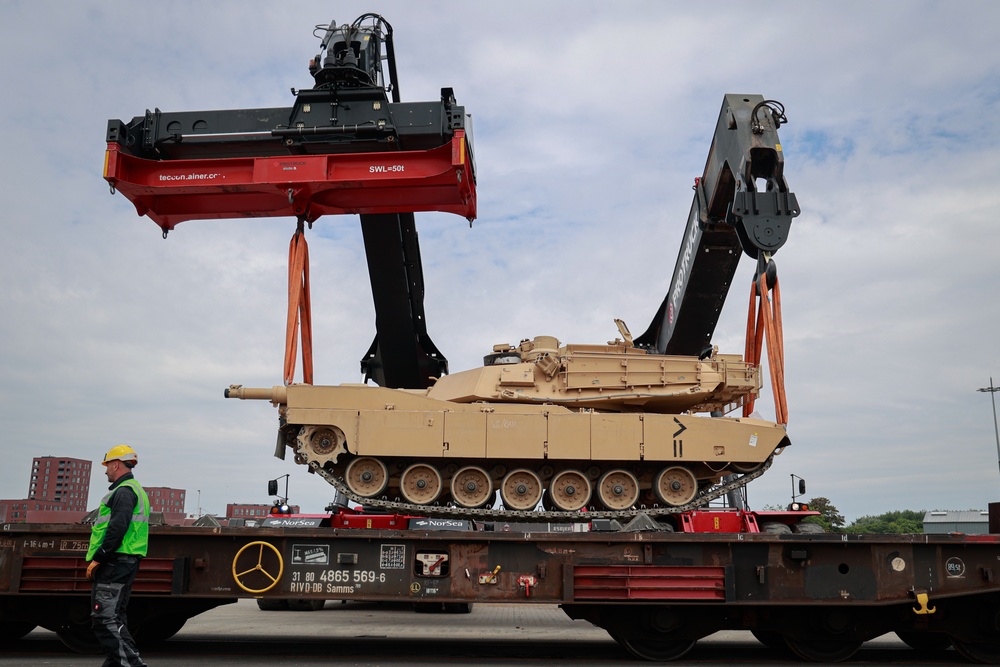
(246, 570)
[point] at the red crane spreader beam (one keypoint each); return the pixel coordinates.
(303, 186)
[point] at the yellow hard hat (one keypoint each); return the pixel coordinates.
(122, 453)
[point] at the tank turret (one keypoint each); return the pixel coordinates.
(617, 377)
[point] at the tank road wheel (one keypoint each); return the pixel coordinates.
(366, 476)
(521, 490)
(420, 484)
(618, 489)
(675, 486)
(570, 490)
(471, 487)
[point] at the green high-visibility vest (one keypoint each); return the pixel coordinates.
(136, 539)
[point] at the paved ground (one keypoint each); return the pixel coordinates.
(367, 634)
(362, 619)
(352, 633)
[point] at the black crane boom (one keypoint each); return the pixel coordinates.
(729, 214)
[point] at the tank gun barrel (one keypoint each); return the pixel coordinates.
(278, 395)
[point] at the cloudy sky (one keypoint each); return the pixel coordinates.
(591, 121)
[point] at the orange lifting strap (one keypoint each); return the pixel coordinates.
(767, 325)
(299, 308)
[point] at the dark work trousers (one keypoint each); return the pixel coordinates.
(108, 599)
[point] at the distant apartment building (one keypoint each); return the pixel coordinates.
(167, 500)
(59, 489)
(60, 480)
(37, 511)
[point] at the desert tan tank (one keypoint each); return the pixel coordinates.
(611, 428)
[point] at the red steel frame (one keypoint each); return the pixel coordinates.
(307, 186)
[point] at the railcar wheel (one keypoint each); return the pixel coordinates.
(13, 630)
(158, 628)
(986, 653)
(272, 604)
(618, 489)
(675, 486)
(420, 484)
(295, 604)
(471, 487)
(570, 490)
(925, 641)
(366, 476)
(79, 638)
(772, 639)
(980, 625)
(657, 650)
(823, 650)
(521, 489)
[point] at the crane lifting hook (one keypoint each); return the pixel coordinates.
(767, 268)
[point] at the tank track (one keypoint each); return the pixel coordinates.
(452, 512)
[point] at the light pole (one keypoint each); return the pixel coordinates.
(993, 390)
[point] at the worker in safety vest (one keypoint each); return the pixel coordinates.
(118, 541)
